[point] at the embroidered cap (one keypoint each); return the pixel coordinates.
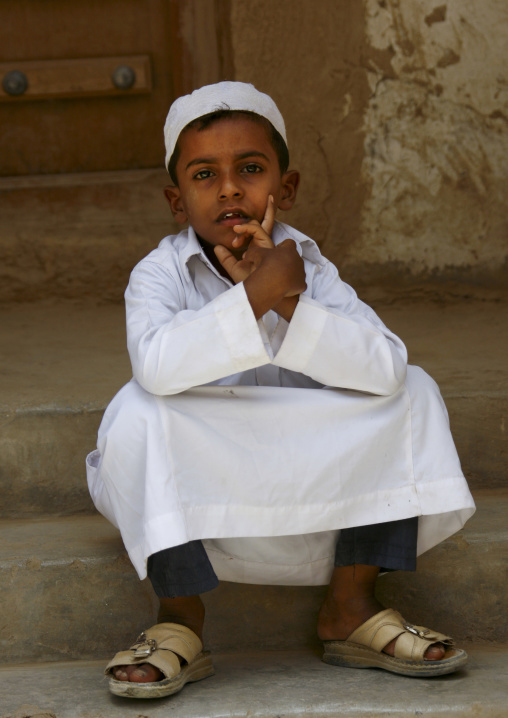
(220, 96)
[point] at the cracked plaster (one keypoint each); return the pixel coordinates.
(397, 116)
(436, 137)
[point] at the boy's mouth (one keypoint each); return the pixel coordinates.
(230, 217)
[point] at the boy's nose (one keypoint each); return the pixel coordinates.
(229, 188)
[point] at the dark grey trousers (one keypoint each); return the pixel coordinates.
(186, 570)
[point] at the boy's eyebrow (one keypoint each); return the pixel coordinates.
(213, 160)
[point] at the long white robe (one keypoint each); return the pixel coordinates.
(265, 438)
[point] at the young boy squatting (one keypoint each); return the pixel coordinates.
(269, 409)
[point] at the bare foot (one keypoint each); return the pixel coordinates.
(188, 611)
(351, 601)
(338, 623)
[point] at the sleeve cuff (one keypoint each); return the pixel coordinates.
(308, 321)
(245, 337)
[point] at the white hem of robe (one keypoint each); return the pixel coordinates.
(200, 465)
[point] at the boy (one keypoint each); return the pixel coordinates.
(269, 409)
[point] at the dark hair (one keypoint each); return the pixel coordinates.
(201, 123)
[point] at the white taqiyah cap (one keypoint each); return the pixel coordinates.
(221, 96)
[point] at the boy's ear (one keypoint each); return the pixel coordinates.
(174, 198)
(290, 182)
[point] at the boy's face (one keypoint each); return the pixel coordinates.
(226, 173)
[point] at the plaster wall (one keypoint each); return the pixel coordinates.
(436, 141)
(397, 116)
(309, 56)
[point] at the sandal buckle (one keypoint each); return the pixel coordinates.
(144, 646)
(415, 631)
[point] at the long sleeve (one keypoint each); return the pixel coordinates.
(339, 341)
(173, 348)
(186, 328)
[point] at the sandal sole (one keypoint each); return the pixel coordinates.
(351, 655)
(200, 668)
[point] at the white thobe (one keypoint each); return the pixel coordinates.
(266, 438)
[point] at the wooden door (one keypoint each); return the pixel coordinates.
(81, 158)
(84, 84)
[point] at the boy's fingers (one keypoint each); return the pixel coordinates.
(269, 218)
(225, 257)
(255, 231)
(237, 269)
(287, 243)
(239, 240)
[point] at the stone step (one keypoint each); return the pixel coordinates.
(62, 363)
(266, 685)
(78, 235)
(68, 591)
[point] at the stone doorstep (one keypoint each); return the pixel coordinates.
(266, 685)
(78, 235)
(70, 592)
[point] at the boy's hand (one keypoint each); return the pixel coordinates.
(260, 234)
(279, 280)
(279, 274)
(238, 269)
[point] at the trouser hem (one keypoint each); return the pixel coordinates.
(186, 570)
(390, 545)
(175, 590)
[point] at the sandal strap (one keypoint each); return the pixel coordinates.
(384, 627)
(160, 646)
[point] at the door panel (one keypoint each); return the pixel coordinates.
(72, 117)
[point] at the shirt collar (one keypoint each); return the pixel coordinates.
(192, 248)
(306, 247)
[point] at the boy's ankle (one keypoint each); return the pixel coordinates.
(185, 611)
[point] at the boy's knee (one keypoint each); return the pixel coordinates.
(130, 415)
(419, 382)
(424, 394)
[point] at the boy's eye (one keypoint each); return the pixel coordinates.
(251, 168)
(203, 174)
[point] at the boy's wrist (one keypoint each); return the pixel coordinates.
(287, 306)
(262, 295)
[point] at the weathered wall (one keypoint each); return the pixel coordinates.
(397, 115)
(436, 142)
(78, 235)
(309, 56)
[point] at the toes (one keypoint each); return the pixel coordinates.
(435, 652)
(120, 673)
(145, 673)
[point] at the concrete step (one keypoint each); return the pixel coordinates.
(62, 363)
(266, 685)
(68, 591)
(80, 234)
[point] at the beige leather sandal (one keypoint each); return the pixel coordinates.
(363, 648)
(161, 646)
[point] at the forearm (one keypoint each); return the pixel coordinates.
(193, 347)
(342, 350)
